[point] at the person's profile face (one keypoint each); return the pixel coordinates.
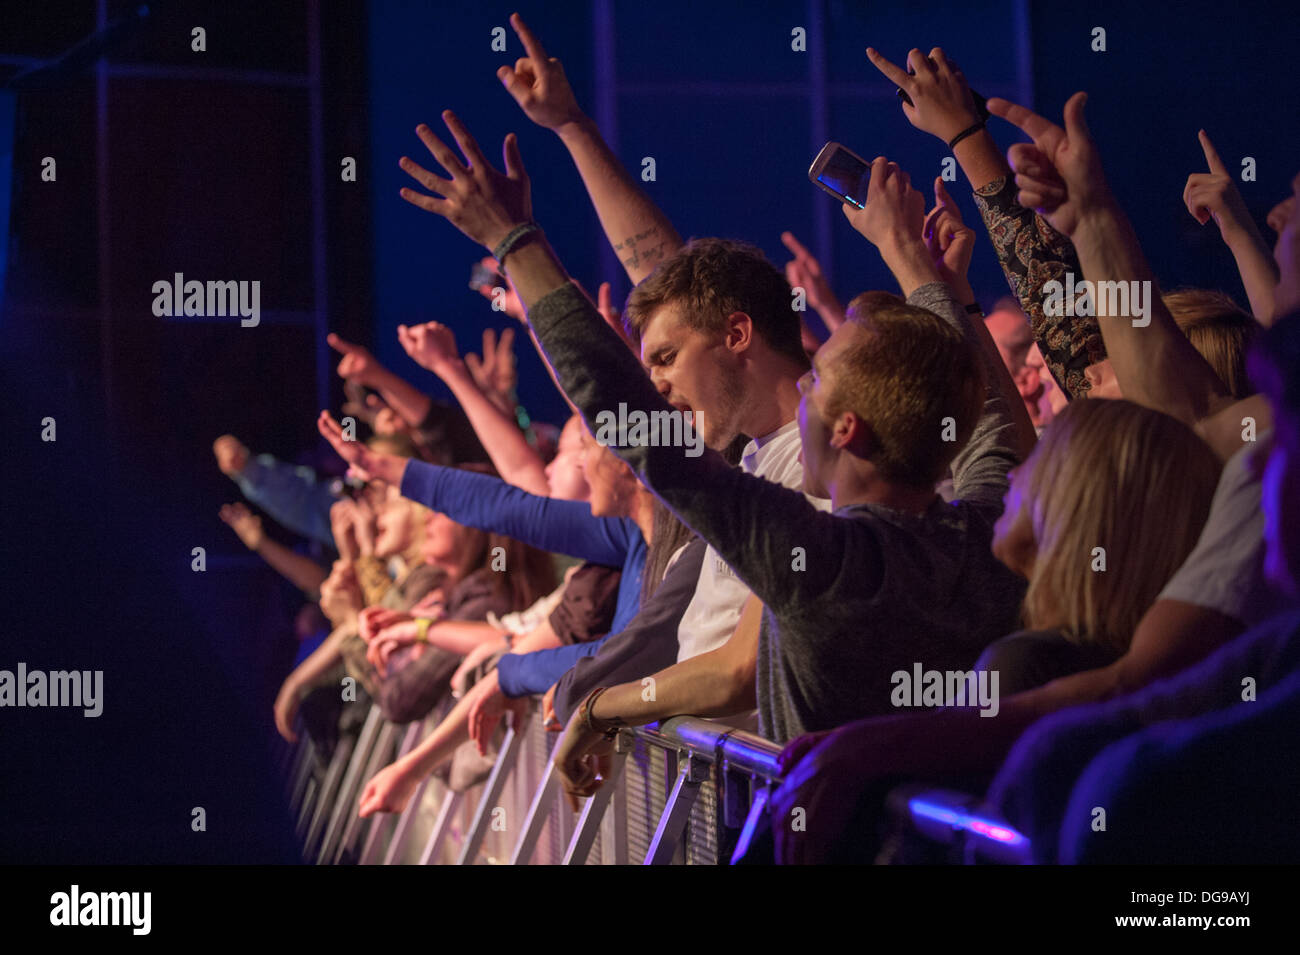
(694, 371)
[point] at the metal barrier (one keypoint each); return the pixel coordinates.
(687, 791)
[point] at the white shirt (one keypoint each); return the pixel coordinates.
(1225, 571)
(714, 610)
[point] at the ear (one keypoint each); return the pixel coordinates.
(740, 332)
(850, 433)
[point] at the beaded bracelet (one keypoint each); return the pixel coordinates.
(512, 239)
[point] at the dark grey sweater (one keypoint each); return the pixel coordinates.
(880, 590)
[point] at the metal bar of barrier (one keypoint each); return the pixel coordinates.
(380, 755)
(616, 835)
(501, 769)
(388, 821)
(538, 811)
(302, 772)
(326, 793)
(440, 828)
(594, 812)
(961, 821)
(757, 809)
(677, 811)
(351, 780)
(305, 812)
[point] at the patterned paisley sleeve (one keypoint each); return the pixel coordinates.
(1032, 254)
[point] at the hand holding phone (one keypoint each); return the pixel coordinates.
(841, 172)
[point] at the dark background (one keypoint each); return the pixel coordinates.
(225, 165)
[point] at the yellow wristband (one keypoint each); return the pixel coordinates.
(422, 629)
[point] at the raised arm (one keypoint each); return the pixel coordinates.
(638, 230)
(1214, 195)
(1060, 172)
(433, 347)
(929, 258)
(1030, 251)
(490, 504)
(303, 572)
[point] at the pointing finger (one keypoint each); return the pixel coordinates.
(1211, 154)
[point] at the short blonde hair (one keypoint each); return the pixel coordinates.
(1114, 475)
(904, 379)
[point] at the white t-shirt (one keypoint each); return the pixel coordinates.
(714, 610)
(1225, 570)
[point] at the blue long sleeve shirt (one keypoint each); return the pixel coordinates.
(295, 496)
(565, 527)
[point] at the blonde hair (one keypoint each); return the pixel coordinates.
(1118, 476)
(1220, 330)
(905, 378)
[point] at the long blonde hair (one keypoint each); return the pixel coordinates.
(1121, 477)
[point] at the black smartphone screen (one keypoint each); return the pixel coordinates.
(847, 176)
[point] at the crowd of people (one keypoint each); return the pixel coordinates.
(1093, 506)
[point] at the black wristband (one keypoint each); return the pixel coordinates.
(513, 238)
(968, 131)
(974, 309)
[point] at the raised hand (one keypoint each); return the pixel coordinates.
(244, 523)
(1060, 173)
(950, 241)
(366, 518)
(431, 346)
(353, 452)
(495, 372)
(232, 457)
(538, 84)
(805, 272)
(340, 594)
(479, 201)
(942, 104)
(894, 212)
(357, 364)
(1214, 195)
(343, 525)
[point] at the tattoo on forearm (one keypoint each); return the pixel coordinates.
(641, 253)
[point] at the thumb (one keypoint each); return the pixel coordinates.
(941, 197)
(339, 345)
(510, 80)
(513, 159)
(1075, 125)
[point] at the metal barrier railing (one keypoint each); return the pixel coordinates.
(687, 791)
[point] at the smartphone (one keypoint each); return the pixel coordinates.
(842, 173)
(480, 275)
